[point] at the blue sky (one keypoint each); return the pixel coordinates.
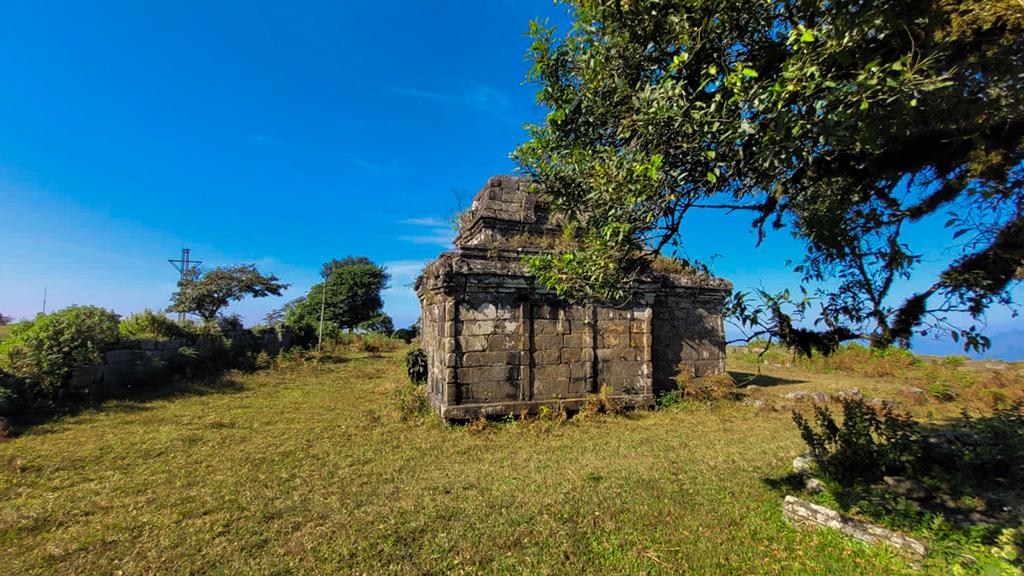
(271, 133)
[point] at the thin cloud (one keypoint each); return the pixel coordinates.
(437, 238)
(476, 96)
(424, 222)
(437, 232)
(421, 94)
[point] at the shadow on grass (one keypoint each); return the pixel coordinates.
(970, 471)
(125, 399)
(744, 379)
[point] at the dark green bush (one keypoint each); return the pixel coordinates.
(43, 353)
(7, 398)
(150, 325)
(416, 365)
(865, 446)
(989, 450)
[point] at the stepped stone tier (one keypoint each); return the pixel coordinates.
(497, 343)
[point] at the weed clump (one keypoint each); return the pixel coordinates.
(416, 366)
(411, 401)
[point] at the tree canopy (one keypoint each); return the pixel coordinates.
(207, 293)
(352, 296)
(846, 122)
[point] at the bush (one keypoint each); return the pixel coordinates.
(44, 353)
(150, 325)
(7, 399)
(412, 401)
(416, 365)
(374, 343)
(865, 446)
(710, 388)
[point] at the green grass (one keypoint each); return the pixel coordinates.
(5, 331)
(311, 469)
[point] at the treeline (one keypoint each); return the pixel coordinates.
(70, 356)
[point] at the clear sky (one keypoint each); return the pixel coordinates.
(282, 134)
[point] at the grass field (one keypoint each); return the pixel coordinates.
(312, 469)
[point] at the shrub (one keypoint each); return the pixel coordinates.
(710, 388)
(7, 399)
(990, 449)
(412, 401)
(416, 366)
(941, 391)
(150, 325)
(601, 403)
(865, 446)
(45, 352)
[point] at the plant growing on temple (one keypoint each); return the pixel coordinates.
(350, 296)
(205, 294)
(416, 365)
(849, 123)
(43, 353)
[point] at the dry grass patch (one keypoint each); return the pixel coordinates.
(323, 468)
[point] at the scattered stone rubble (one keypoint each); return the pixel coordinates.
(804, 513)
(499, 344)
(808, 514)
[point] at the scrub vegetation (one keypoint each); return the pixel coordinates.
(332, 464)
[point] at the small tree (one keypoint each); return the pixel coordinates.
(352, 297)
(206, 294)
(379, 323)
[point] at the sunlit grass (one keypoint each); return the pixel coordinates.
(312, 469)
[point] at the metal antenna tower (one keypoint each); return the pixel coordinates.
(184, 266)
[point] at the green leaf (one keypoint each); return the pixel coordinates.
(807, 36)
(750, 73)
(712, 178)
(863, 104)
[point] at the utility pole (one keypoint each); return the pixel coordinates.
(184, 266)
(44, 299)
(323, 300)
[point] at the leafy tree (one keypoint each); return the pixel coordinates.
(328, 268)
(207, 293)
(352, 296)
(277, 315)
(379, 323)
(847, 122)
(5, 320)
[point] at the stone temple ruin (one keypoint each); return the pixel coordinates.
(499, 344)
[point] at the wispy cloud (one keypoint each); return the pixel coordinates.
(421, 94)
(437, 222)
(404, 272)
(428, 230)
(264, 139)
(475, 96)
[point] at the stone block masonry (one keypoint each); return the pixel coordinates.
(498, 344)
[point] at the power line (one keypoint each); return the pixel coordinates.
(184, 266)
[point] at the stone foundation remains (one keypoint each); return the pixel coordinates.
(499, 344)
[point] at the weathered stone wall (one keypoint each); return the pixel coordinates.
(497, 343)
(689, 335)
